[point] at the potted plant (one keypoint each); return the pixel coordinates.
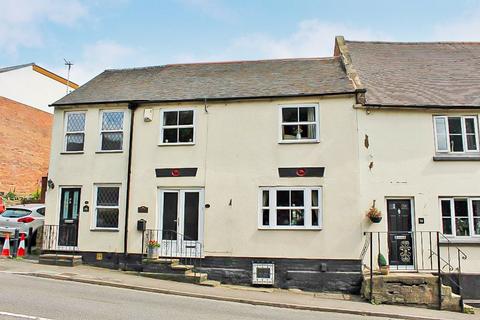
(374, 214)
(382, 264)
(153, 247)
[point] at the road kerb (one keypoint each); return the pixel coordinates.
(227, 299)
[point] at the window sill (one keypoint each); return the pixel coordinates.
(72, 152)
(104, 229)
(467, 240)
(288, 228)
(457, 157)
(298, 141)
(176, 144)
(109, 151)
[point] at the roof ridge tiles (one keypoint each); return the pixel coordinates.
(222, 62)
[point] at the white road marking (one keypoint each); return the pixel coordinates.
(21, 316)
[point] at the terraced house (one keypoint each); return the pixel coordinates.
(261, 171)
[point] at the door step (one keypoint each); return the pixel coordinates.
(189, 278)
(171, 269)
(64, 260)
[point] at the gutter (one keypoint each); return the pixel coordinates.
(416, 106)
(202, 100)
(131, 106)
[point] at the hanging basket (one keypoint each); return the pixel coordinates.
(376, 219)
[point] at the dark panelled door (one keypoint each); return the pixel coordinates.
(68, 224)
(400, 240)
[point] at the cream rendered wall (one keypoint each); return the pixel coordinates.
(85, 170)
(401, 147)
(236, 152)
(31, 88)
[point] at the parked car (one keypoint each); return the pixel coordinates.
(2, 205)
(22, 217)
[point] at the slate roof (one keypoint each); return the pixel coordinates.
(418, 74)
(222, 80)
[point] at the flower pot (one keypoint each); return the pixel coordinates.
(152, 253)
(384, 270)
(375, 219)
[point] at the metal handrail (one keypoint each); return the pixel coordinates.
(178, 246)
(422, 243)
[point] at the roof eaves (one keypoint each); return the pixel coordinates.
(20, 66)
(334, 93)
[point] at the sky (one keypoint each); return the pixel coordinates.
(103, 34)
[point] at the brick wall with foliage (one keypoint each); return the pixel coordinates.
(24, 147)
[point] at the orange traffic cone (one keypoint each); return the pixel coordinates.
(21, 247)
(6, 246)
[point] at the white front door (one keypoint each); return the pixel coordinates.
(181, 222)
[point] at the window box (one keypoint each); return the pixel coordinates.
(456, 135)
(74, 134)
(111, 130)
(461, 217)
(299, 123)
(177, 127)
(290, 208)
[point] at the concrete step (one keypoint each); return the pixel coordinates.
(60, 260)
(181, 267)
(189, 278)
(161, 261)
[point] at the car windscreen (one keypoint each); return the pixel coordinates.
(16, 213)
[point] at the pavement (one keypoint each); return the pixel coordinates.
(288, 299)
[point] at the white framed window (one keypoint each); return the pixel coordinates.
(107, 206)
(74, 131)
(460, 216)
(456, 134)
(177, 126)
(299, 123)
(290, 208)
(111, 130)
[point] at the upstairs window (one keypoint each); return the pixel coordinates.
(456, 134)
(74, 131)
(111, 133)
(177, 127)
(461, 216)
(290, 208)
(299, 123)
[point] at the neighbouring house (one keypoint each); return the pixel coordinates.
(25, 147)
(33, 85)
(263, 170)
(25, 125)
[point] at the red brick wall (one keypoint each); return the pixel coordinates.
(24, 146)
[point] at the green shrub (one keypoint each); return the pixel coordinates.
(382, 262)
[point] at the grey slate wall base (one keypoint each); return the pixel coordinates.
(306, 274)
(332, 275)
(470, 284)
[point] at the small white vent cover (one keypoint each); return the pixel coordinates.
(263, 273)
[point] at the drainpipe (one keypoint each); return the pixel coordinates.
(132, 106)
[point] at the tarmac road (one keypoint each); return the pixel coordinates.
(26, 297)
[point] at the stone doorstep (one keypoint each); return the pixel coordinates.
(410, 289)
(162, 261)
(189, 278)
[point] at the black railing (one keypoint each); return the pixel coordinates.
(60, 238)
(414, 251)
(174, 245)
